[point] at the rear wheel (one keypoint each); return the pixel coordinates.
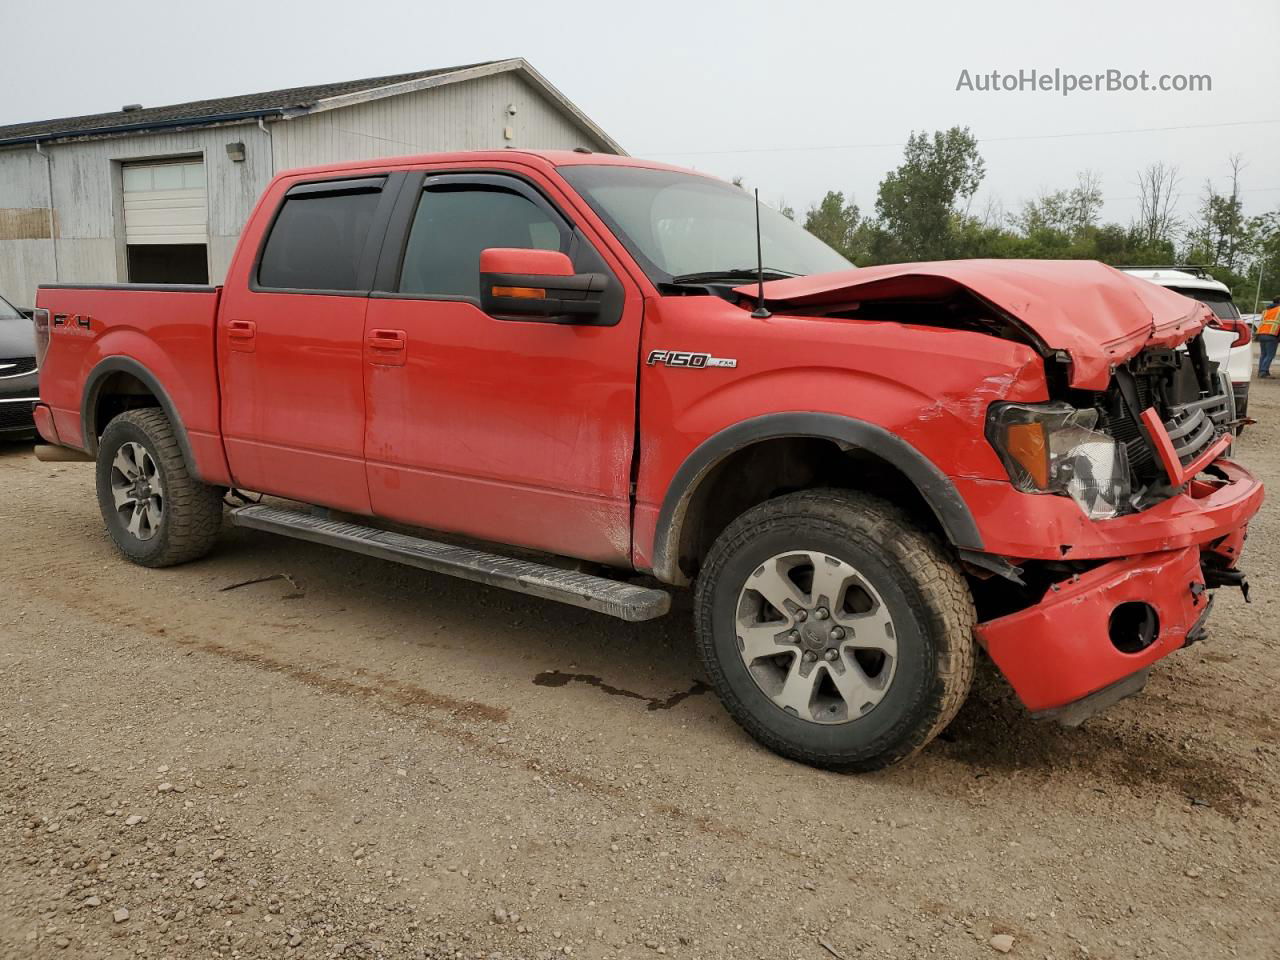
(157, 514)
(836, 632)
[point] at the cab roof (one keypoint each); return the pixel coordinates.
(545, 158)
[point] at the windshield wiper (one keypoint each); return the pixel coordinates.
(738, 273)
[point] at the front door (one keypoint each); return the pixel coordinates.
(290, 344)
(512, 431)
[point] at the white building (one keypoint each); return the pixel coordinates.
(160, 194)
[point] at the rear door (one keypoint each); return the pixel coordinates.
(290, 343)
(513, 431)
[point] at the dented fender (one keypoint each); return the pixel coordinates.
(915, 392)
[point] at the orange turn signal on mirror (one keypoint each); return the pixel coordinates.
(522, 293)
(1027, 444)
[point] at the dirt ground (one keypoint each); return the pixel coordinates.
(362, 760)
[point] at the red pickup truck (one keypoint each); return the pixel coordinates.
(865, 473)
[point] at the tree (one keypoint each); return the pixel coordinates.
(1069, 213)
(1156, 223)
(921, 203)
(1219, 234)
(835, 223)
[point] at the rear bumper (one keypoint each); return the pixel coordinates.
(45, 426)
(1080, 639)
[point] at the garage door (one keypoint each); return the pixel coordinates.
(165, 203)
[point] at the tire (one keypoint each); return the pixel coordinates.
(174, 517)
(906, 606)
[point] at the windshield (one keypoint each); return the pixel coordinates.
(683, 225)
(1217, 301)
(8, 311)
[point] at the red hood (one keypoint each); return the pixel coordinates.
(1097, 314)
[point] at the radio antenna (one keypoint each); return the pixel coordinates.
(761, 312)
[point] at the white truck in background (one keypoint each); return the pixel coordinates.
(1229, 342)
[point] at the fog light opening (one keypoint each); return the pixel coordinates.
(1134, 626)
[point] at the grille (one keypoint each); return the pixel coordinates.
(1117, 422)
(1194, 426)
(16, 366)
(16, 415)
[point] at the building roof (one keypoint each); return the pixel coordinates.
(290, 102)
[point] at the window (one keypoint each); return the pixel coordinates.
(681, 224)
(319, 237)
(454, 222)
(1217, 301)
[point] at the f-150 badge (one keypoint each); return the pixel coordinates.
(682, 358)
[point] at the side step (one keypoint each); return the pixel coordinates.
(623, 600)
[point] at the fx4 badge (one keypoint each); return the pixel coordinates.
(682, 358)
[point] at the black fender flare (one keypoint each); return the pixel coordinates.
(93, 385)
(933, 485)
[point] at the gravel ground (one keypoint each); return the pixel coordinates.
(355, 759)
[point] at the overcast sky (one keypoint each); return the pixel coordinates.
(797, 97)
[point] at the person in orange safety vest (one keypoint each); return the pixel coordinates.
(1268, 337)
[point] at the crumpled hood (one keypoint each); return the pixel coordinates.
(1097, 314)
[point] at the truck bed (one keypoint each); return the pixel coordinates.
(148, 338)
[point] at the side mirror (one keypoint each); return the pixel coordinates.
(537, 285)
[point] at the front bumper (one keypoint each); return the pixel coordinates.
(1061, 650)
(1091, 632)
(16, 419)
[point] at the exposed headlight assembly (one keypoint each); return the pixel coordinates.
(1054, 448)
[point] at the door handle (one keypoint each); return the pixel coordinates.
(387, 347)
(386, 339)
(242, 335)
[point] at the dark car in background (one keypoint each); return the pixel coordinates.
(19, 388)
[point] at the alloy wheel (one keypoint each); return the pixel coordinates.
(137, 491)
(816, 637)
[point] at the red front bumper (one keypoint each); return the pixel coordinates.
(1061, 649)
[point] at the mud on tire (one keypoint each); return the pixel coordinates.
(186, 515)
(903, 586)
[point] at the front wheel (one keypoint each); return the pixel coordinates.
(835, 631)
(157, 514)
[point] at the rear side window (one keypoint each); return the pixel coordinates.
(319, 237)
(1217, 301)
(455, 222)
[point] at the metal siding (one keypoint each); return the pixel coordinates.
(86, 192)
(469, 115)
(24, 196)
(463, 116)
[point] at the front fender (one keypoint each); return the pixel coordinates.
(934, 486)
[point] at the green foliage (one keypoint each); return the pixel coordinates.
(839, 225)
(921, 203)
(922, 214)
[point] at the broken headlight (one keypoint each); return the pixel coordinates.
(1054, 448)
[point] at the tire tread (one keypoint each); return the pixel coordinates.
(193, 510)
(936, 577)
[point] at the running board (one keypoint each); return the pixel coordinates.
(613, 597)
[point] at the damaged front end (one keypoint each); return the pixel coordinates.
(1110, 512)
(1166, 415)
(1153, 437)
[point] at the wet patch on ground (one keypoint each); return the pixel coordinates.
(554, 678)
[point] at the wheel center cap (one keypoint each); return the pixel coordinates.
(815, 635)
